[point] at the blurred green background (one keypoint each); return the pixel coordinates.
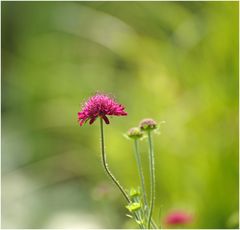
(172, 61)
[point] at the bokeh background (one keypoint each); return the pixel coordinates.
(172, 61)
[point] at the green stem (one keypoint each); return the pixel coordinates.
(152, 177)
(105, 165)
(141, 174)
(140, 171)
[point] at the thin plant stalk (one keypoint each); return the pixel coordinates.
(105, 165)
(152, 178)
(141, 175)
(140, 171)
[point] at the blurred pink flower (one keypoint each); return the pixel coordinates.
(100, 105)
(178, 217)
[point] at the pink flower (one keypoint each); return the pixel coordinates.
(178, 217)
(100, 105)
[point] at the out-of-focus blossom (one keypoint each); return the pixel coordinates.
(178, 218)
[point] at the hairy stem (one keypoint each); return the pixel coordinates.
(105, 165)
(152, 177)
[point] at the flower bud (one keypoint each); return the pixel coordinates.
(135, 133)
(148, 124)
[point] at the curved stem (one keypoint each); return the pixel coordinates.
(140, 171)
(152, 177)
(104, 161)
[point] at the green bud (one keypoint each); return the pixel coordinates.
(135, 133)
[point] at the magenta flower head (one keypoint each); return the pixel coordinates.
(100, 105)
(178, 218)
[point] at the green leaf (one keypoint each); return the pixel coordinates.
(134, 192)
(134, 206)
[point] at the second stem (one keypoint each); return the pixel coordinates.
(140, 171)
(152, 177)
